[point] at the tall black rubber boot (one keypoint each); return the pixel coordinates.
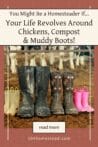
(56, 93)
(26, 81)
(42, 82)
(68, 93)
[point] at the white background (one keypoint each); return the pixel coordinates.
(88, 35)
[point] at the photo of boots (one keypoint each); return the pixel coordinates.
(47, 83)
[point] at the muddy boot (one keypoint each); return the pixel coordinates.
(42, 82)
(26, 82)
(68, 93)
(56, 93)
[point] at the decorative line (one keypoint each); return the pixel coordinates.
(8, 70)
(90, 88)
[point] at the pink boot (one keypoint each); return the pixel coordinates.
(84, 102)
(77, 99)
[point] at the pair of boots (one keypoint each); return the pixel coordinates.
(33, 83)
(59, 81)
(81, 100)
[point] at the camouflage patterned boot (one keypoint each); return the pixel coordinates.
(56, 93)
(68, 78)
(42, 82)
(27, 83)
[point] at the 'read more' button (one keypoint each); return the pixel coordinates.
(48, 127)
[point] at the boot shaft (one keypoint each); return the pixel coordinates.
(68, 78)
(85, 98)
(26, 79)
(56, 83)
(77, 96)
(27, 83)
(42, 81)
(56, 87)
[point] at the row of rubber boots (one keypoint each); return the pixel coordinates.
(34, 85)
